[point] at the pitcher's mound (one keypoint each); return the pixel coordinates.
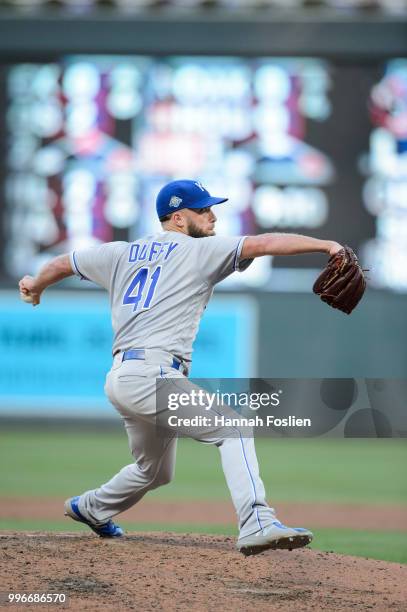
(164, 571)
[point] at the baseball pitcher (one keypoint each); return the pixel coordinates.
(159, 286)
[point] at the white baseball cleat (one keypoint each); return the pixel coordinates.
(274, 536)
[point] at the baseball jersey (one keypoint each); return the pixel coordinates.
(159, 285)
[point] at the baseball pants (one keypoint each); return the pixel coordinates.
(131, 387)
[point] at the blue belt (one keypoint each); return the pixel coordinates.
(141, 354)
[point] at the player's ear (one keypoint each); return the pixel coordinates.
(178, 219)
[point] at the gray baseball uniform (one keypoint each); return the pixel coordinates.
(159, 287)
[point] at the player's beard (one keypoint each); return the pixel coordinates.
(196, 232)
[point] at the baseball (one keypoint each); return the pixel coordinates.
(26, 298)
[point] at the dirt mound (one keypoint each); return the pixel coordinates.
(168, 572)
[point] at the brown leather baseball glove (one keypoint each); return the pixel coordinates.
(342, 283)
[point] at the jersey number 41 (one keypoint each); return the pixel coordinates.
(137, 293)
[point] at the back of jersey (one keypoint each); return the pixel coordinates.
(159, 286)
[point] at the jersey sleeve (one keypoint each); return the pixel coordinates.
(219, 256)
(97, 263)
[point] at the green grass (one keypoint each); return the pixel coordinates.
(319, 470)
(60, 463)
(384, 545)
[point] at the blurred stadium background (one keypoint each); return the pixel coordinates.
(296, 110)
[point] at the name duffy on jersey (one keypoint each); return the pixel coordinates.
(151, 251)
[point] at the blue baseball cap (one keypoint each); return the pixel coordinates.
(184, 194)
